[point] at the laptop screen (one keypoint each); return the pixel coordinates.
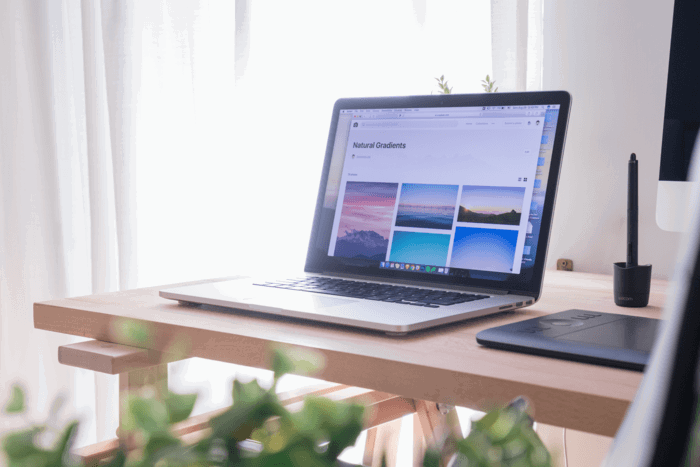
(456, 191)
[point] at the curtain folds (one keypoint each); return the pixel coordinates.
(516, 44)
(66, 199)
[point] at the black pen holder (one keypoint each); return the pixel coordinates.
(631, 284)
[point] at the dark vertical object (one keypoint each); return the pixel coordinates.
(632, 211)
(682, 112)
(631, 281)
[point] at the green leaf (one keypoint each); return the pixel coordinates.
(63, 446)
(247, 393)
(252, 406)
(16, 402)
(297, 455)
(127, 420)
(540, 457)
(338, 423)
(281, 363)
(296, 360)
(20, 444)
(161, 444)
(149, 414)
(179, 406)
(119, 460)
(502, 426)
(131, 331)
(432, 458)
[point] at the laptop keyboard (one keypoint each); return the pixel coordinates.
(373, 291)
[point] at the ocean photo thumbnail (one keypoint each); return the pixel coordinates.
(365, 220)
(420, 248)
(491, 205)
(427, 206)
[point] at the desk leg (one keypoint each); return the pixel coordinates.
(155, 376)
(382, 440)
(419, 445)
(553, 439)
(584, 449)
(435, 427)
(572, 448)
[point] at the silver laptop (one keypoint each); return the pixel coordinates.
(431, 210)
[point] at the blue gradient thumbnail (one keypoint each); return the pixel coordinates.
(484, 249)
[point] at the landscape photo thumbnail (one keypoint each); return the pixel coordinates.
(427, 206)
(491, 205)
(365, 220)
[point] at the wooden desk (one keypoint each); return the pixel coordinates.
(442, 365)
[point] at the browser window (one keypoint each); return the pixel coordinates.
(439, 190)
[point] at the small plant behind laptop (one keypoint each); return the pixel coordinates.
(487, 84)
(442, 84)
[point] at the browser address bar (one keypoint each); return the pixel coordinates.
(409, 124)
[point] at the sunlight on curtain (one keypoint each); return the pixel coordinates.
(517, 44)
(229, 159)
(227, 172)
(61, 207)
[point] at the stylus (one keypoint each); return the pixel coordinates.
(632, 211)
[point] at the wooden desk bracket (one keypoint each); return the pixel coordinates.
(139, 367)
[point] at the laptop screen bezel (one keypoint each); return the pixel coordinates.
(527, 282)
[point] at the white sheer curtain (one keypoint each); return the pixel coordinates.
(516, 42)
(183, 140)
(237, 166)
(67, 199)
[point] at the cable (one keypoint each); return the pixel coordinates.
(566, 461)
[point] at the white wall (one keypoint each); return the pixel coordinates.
(612, 56)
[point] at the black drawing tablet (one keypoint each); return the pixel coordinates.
(607, 339)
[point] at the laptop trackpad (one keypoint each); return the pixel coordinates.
(295, 300)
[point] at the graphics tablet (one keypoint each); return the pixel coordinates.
(585, 336)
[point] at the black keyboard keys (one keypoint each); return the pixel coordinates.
(373, 291)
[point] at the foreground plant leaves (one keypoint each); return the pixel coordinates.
(16, 402)
(22, 448)
(313, 437)
(505, 438)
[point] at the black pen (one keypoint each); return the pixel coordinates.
(632, 211)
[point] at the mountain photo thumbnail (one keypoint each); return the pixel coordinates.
(365, 220)
(506, 218)
(363, 244)
(502, 205)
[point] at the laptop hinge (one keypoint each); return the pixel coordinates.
(478, 290)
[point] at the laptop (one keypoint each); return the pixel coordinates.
(431, 210)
